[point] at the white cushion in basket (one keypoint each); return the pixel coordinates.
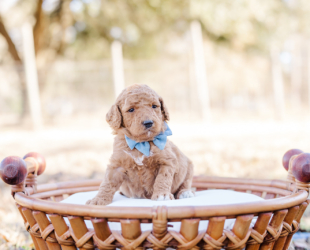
(202, 198)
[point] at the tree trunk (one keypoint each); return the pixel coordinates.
(12, 50)
(37, 29)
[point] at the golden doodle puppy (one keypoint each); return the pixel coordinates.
(144, 163)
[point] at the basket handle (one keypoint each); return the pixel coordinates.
(14, 170)
(288, 155)
(297, 163)
(301, 171)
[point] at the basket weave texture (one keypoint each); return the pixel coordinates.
(278, 219)
(278, 216)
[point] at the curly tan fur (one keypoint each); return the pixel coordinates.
(165, 173)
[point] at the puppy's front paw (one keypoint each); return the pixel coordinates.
(162, 196)
(186, 194)
(98, 201)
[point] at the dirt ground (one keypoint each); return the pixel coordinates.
(248, 149)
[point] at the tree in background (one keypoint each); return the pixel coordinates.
(84, 29)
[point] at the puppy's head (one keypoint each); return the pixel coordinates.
(139, 112)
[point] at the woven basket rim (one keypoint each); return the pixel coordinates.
(231, 210)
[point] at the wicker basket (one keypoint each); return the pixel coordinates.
(278, 216)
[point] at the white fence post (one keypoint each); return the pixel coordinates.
(118, 68)
(31, 76)
(296, 71)
(308, 74)
(200, 70)
(277, 81)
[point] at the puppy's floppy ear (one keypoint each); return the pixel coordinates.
(114, 117)
(164, 109)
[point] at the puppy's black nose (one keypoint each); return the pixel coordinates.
(148, 123)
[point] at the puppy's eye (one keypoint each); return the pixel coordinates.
(154, 106)
(131, 110)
